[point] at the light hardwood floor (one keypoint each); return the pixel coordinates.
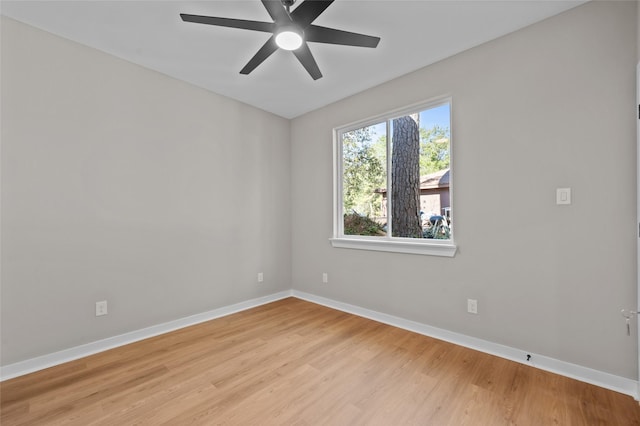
(292, 362)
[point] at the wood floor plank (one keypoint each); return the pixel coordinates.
(293, 362)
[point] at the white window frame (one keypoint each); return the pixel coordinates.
(421, 246)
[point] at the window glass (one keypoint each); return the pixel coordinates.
(395, 176)
(364, 180)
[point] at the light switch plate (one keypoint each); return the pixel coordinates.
(563, 196)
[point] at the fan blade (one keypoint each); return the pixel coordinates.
(267, 27)
(308, 62)
(265, 51)
(308, 11)
(277, 11)
(332, 36)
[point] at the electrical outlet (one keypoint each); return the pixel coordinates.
(101, 308)
(472, 306)
(260, 277)
(325, 277)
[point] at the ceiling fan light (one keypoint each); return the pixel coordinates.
(289, 39)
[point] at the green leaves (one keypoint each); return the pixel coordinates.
(363, 173)
(434, 150)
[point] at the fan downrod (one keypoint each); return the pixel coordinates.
(287, 4)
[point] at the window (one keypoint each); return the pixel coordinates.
(393, 182)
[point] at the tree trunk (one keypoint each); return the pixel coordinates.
(405, 178)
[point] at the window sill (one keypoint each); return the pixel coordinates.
(430, 248)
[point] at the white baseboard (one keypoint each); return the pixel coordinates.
(45, 361)
(584, 374)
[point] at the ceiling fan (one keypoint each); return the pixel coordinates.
(291, 29)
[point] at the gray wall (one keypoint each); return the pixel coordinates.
(122, 184)
(549, 106)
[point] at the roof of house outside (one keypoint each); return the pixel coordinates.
(439, 179)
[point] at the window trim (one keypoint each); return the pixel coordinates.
(431, 247)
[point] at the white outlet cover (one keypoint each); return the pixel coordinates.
(101, 308)
(472, 306)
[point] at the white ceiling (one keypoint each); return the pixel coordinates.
(413, 34)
